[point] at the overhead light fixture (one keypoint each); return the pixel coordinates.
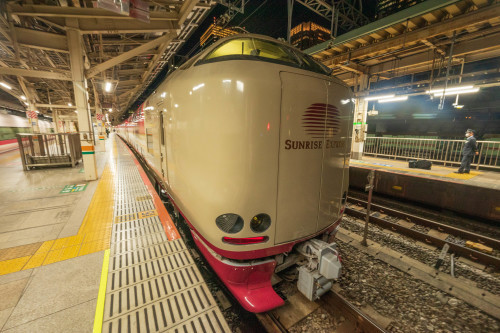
(448, 89)
(395, 99)
(37, 111)
(5, 85)
(457, 92)
(456, 106)
(69, 104)
(23, 97)
(110, 110)
(107, 86)
(26, 103)
(372, 98)
(163, 94)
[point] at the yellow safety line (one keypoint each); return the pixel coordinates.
(99, 310)
(450, 175)
(94, 234)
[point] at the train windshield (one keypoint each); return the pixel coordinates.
(264, 50)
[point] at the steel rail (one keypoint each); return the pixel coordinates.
(334, 303)
(495, 243)
(271, 323)
(457, 249)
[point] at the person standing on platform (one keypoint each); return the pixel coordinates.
(107, 132)
(468, 151)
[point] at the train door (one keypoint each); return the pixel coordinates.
(334, 154)
(163, 148)
(300, 155)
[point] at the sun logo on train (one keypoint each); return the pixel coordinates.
(321, 121)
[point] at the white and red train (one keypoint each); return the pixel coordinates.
(251, 141)
(11, 124)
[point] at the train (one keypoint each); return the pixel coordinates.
(250, 140)
(11, 123)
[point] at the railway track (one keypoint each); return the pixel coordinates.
(382, 216)
(336, 305)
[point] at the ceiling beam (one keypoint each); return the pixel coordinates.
(129, 54)
(34, 73)
(379, 25)
(75, 12)
(97, 26)
(353, 67)
(186, 8)
(479, 45)
(41, 40)
(460, 22)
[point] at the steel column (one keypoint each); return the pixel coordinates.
(76, 54)
(359, 128)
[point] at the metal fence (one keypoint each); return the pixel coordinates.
(41, 150)
(447, 152)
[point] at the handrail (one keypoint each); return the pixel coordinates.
(447, 152)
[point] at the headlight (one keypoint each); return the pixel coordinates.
(260, 222)
(230, 223)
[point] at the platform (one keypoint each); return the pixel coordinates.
(64, 241)
(475, 194)
(481, 178)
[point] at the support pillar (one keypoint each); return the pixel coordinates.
(32, 117)
(360, 127)
(76, 57)
(55, 119)
(99, 118)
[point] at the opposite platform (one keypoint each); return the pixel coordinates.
(475, 194)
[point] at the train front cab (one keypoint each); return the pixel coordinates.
(287, 126)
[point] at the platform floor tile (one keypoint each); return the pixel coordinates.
(153, 284)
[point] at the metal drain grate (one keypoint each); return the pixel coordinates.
(153, 284)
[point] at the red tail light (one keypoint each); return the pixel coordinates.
(246, 240)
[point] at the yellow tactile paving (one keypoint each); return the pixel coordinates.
(450, 175)
(13, 265)
(94, 234)
(19, 251)
(463, 175)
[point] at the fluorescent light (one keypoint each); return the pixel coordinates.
(457, 92)
(69, 104)
(37, 111)
(226, 81)
(440, 90)
(163, 94)
(110, 110)
(23, 97)
(5, 85)
(26, 103)
(371, 98)
(344, 101)
(395, 99)
(107, 87)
